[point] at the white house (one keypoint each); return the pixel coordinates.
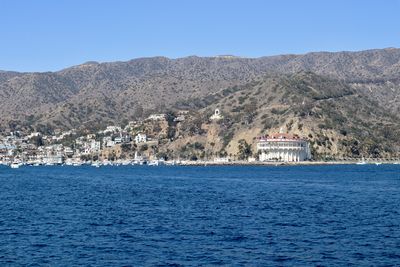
(95, 146)
(140, 138)
(112, 129)
(34, 134)
(179, 118)
(156, 117)
(108, 142)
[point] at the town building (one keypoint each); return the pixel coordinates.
(123, 138)
(222, 160)
(283, 147)
(68, 151)
(179, 118)
(108, 142)
(53, 159)
(157, 117)
(140, 138)
(95, 146)
(112, 129)
(34, 134)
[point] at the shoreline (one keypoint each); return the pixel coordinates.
(213, 163)
(300, 163)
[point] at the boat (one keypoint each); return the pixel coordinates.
(153, 163)
(96, 164)
(378, 163)
(169, 163)
(15, 165)
(362, 162)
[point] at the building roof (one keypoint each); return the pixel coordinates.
(275, 137)
(283, 136)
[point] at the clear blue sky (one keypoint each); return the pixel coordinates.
(48, 35)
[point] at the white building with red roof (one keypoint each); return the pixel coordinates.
(283, 147)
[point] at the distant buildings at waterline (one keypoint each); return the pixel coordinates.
(283, 147)
(148, 139)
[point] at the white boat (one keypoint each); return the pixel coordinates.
(15, 165)
(169, 163)
(378, 163)
(362, 162)
(96, 164)
(153, 163)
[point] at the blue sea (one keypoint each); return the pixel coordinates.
(200, 216)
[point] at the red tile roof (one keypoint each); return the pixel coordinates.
(280, 137)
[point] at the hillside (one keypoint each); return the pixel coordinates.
(337, 119)
(320, 94)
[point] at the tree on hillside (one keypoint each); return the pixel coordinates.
(138, 111)
(171, 131)
(244, 150)
(37, 141)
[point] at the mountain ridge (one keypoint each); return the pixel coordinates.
(94, 62)
(92, 94)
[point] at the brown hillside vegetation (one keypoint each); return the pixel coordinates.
(337, 119)
(346, 103)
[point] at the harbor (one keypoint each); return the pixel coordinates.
(162, 162)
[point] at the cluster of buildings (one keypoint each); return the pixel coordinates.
(69, 147)
(64, 147)
(16, 147)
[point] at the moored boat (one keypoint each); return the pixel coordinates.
(15, 165)
(362, 162)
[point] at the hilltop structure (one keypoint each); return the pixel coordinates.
(217, 115)
(283, 147)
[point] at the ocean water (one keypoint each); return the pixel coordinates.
(191, 216)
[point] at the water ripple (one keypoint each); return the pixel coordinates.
(191, 216)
